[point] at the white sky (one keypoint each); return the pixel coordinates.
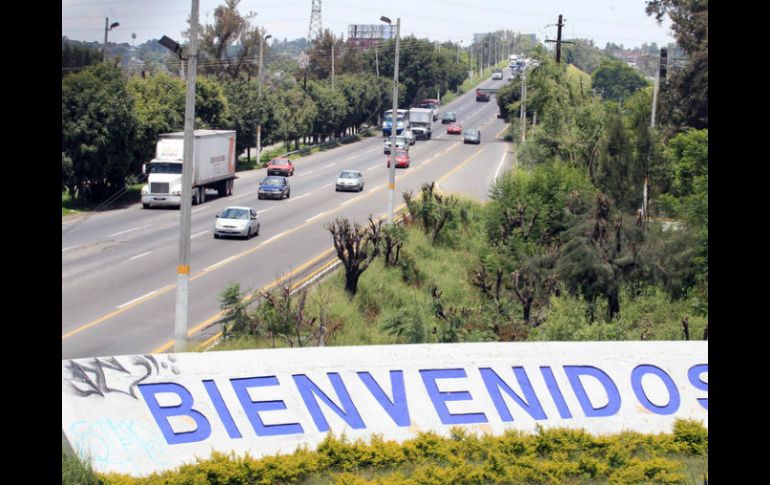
(619, 21)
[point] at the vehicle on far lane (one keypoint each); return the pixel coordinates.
(410, 137)
(274, 188)
(455, 129)
(400, 143)
(350, 180)
(237, 221)
(280, 166)
(449, 117)
(472, 136)
(402, 159)
(497, 74)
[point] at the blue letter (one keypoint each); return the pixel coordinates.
(556, 394)
(673, 392)
(308, 390)
(253, 408)
(694, 375)
(398, 408)
(439, 398)
(613, 404)
(494, 383)
(221, 407)
(162, 413)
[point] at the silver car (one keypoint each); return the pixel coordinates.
(410, 137)
(237, 221)
(400, 143)
(350, 180)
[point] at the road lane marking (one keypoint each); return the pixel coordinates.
(199, 234)
(327, 185)
(330, 165)
(237, 197)
(305, 173)
(315, 217)
(67, 249)
(372, 168)
(501, 165)
(218, 264)
(137, 299)
(127, 231)
(373, 150)
(351, 158)
(265, 210)
(198, 209)
(139, 256)
(273, 238)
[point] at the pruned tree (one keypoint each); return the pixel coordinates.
(432, 210)
(355, 249)
(230, 45)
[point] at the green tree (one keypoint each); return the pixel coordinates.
(684, 99)
(584, 55)
(617, 80)
(620, 173)
(243, 111)
(320, 61)
(159, 104)
(210, 104)
(294, 113)
(98, 131)
(331, 108)
(230, 45)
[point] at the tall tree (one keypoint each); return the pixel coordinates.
(684, 100)
(159, 105)
(231, 45)
(98, 131)
(617, 80)
(620, 173)
(320, 62)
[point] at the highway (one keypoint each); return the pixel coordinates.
(119, 266)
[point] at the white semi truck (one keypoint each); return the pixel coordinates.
(421, 120)
(213, 164)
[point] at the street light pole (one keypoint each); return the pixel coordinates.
(185, 206)
(259, 125)
(393, 127)
(107, 29)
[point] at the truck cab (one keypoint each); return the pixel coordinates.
(431, 104)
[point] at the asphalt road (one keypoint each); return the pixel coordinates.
(119, 267)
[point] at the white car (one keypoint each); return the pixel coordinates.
(237, 221)
(350, 180)
(409, 137)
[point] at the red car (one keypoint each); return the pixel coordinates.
(402, 159)
(280, 166)
(455, 129)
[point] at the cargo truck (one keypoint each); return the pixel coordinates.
(421, 120)
(213, 167)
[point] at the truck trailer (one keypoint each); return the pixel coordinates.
(421, 120)
(213, 167)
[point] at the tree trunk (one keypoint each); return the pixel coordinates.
(613, 303)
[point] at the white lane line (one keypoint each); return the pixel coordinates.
(237, 197)
(137, 299)
(199, 234)
(139, 255)
(198, 210)
(305, 173)
(265, 210)
(67, 249)
(301, 196)
(330, 165)
(349, 201)
(127, 231)
(372, 168)
(351, 158)
(373, 150)
(501, 165)
(215, 265)
(274, 237)
(327, 185)
(315, 216)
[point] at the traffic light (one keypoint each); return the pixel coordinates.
(663, 64)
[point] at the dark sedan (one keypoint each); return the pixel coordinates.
(449, 117)
(274, 188)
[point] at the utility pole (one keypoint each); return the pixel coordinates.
(376, 61)
(332, 65)
(262, 41)
(393, 127)
(107, 28)
(558, 40)
(185, 208)
(523, 105)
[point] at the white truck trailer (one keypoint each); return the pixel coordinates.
(213, 163)
(421, 120)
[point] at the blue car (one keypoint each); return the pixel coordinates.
(274, 188)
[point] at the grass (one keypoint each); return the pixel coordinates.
(75, 471)
(69, 206)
